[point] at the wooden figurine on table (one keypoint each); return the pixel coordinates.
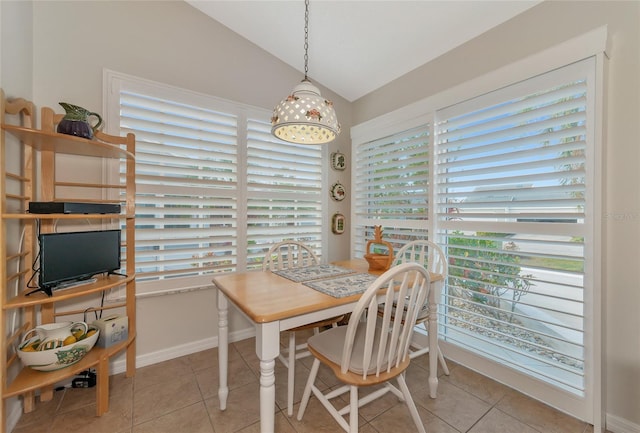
(378, 261)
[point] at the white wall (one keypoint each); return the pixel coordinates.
(16, 49)
(543, 26)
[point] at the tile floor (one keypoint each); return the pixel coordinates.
(180, 396)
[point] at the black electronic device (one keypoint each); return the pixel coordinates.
(76, 256)
(86, 379)
(68, 207)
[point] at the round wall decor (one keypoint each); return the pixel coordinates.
(338, 192)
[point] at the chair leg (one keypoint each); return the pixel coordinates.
(307, 389)
(443, 362)
(291, 372)
(410, 404)
(353, 412)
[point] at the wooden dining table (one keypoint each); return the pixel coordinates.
(274, 304)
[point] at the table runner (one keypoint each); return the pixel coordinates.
(342, 286)
(331, 280)
(316, 272)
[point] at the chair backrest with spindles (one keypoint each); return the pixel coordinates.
(375, 343)
(289, 255)
(428, 253)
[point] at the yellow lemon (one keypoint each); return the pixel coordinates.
(78, 334)
(91, 332)
(69, 340)
(28, 348)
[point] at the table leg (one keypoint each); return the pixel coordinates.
(433, 342)
(267, 349)
(223, 348)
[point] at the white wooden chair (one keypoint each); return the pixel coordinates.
(431, 256)
(289, 255)
(372, 349)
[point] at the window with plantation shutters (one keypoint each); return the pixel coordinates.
(391, 187)
(511, 186)
(214, 189)
(506, 184)
(283, 193)
(186, 181)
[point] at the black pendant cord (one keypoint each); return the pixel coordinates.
(306, 39)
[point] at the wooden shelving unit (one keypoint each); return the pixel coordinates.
(18, 181)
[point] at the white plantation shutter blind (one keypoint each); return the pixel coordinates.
(284, 192)
(507, 184)
(391, 185)
(186, 180)
(214, 189)
(512, 199)
(522, 157)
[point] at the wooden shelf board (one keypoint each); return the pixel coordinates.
(63, 216)
(67, 144)
(31, 380)
(103, 283)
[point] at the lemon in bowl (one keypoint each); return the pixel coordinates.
(55, 354)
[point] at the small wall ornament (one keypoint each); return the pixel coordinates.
(337, 223)
(338, 193)
(338, 161)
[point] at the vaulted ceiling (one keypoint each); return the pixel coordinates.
(358, 46)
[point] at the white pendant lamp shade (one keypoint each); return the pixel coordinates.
(305, 117)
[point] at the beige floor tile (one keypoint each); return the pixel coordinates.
(376, 407)
(204, 359)
(246, 348)
(497, 421)
(238, 374)
(76, 398)
(398, 420)
(539, 415)
(166, 396)
(161, 372)
(423, 362)
(316, 419)
(39, 420)
(453, 405)
(243, 409)
(82, 420)
(191, 419)
(120, 387)
(282, 425)
(208, 382)
(481, 386)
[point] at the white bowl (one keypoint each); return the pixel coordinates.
(55, 359)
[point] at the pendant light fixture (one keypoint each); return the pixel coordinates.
(305, 117)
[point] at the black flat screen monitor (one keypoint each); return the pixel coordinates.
(76, 256)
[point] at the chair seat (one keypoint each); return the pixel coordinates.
(423, 313)
(319, 324)
(330, 344)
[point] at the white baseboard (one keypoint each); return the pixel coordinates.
(13, 412)
(119, 366)
(620, 425)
